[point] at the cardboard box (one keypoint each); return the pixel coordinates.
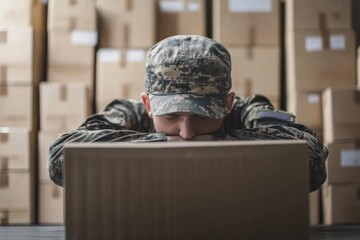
(16, 204)
(16, 13)
(120, 74)
(46, 139)
(341, 204)
(63, 107)
(255, 71)
(317, 59)
(314, 203)
(341, 111)
(307, 107)
(246, 22)
(358, 67)
(69, 15)
(323, 14)
(181, 17)
(18, 108)
(16, 149)
(16, 58)
(51, 204)
(126, 23)
(75, 49)
(343, 163)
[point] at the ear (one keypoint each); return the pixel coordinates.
(230, 101)
(146, 101)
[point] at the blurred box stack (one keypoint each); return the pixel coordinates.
(250, 29)
(22, 41)
(127, 31)
(320, 49)
(340, 193)
(67, 95)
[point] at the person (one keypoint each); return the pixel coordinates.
(188, 82)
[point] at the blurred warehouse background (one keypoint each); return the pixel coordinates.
(63, 60)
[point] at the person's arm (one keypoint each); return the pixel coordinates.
(120, 121)
(256, 118)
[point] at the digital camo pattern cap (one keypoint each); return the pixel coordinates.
(188, 74)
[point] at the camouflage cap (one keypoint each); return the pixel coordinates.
(188, 74)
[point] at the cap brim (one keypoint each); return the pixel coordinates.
(213, 106)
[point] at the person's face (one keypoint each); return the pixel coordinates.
(187, 126)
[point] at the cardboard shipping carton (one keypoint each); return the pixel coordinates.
(341, 204)
(314, 203)
(317, 59)
(16, 58)
(255, 71)
(324, 14)
(246, 22)
(69, 15)
(181, 18)
(18, 108)
(51, 204)
(343, 163)
(63, 107)
(126, 23)
(16, 205)
(341, 111)
(120, 74)
(16, 149)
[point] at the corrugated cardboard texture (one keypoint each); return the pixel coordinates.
(203, 190)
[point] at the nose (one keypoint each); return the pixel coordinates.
(186, 129)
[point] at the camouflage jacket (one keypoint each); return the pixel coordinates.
(251, 118)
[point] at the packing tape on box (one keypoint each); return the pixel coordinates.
(128, 5)
(4, 217)
(248, 87)
(55, 191)
(3, 76)
(323, 26)
(4, 172)
(4, 137)
(357, 95)
(126, 36)
(72, 2)
(63, 92)
(124, 90)
(252, 41)
(72, 23)
(3, 37)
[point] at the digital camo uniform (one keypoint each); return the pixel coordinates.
(191, 74)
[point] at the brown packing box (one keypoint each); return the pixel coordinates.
(254, 191)
(18, 108)
(248, 22)
(16, 206)
(181, 18)
(358, 67)
(314, 202)
(341, 111)
(46, 139)
(319, 59)
(75, 48)
(341, 204)
(343, 163)
(16, 149)
(120, 74)
(255, 71)
(126, 23)
(16, 13)
(63, 107)
(307, 107)
(67, 15)
(318, 14)
(51, 204)
(16, 58)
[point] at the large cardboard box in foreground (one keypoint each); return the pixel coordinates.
(324, 14)
(126, 23)
(120, 74)
(211, 190)
(70, 15)
(255, 71)
(317, 59)
(343, 163)
(249, 22)
(182, 17)
(341, 204)
(16, 58)
(341, 111)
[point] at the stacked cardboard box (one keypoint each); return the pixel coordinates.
(341, 111)
(127, 31)
(21, 69)
(66, 98)
(181, 17)
(320, 53)
(250, 31)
